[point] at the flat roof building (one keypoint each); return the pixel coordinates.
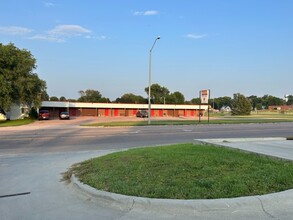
(120, 109)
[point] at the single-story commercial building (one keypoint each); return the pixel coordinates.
(281, 107)
(120, 109)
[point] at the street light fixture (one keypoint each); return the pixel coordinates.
(150, 73)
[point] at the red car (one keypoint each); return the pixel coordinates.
(44, 114)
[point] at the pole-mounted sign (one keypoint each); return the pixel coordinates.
(204, 96)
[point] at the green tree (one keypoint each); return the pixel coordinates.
(104, 100)
(54, 98)
(131, 98)
(195, 101)
(18, 82)
(222, 101)
(268, 100)
(158, 93)
(91, 95)
(256, 102)
(62, 98)
(175, 98)
(44, 96)
(240, 105)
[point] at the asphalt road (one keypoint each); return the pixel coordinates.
(67, 136)
(33, 157)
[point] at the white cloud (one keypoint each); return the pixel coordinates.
(101, 37)
(14, 30)
(195, 36)
(46, 38)
(49, 4)
(146, 13)
(69, 30)
(61, 32)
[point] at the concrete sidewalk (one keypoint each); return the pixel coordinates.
(276, 147)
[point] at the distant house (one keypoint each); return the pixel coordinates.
(16, 112)
(226, 109)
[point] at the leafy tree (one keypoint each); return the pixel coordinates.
(195, 101)
(45, 96)
(221, 102)
(104, 100)
(91, 95)
(62, 98)
(175, 98)
(131, 98)
(240, 105)
(158, 93)
(33, 113)
(54, 98)
(256, 102)
(268, 100)
(18, 83)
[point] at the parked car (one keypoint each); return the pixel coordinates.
(142, 114)
(44, 114)
(64, 115)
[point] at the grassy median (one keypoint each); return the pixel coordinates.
(186, 171)
(235, 120)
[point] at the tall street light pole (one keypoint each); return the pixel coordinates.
(150, 74)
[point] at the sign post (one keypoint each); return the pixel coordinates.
(204, 99)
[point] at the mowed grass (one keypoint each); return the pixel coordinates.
(186, 171)
(16, 122)
(230, 120)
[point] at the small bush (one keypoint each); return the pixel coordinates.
(33, 113)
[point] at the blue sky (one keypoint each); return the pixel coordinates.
(226, 46)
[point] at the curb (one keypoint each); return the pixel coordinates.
(236, 140)
(186, 207)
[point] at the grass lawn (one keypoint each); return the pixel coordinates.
(186, 171)
(16, 122)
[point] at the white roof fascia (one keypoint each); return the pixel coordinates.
(119, 105)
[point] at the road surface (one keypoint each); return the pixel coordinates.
(33, 157)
